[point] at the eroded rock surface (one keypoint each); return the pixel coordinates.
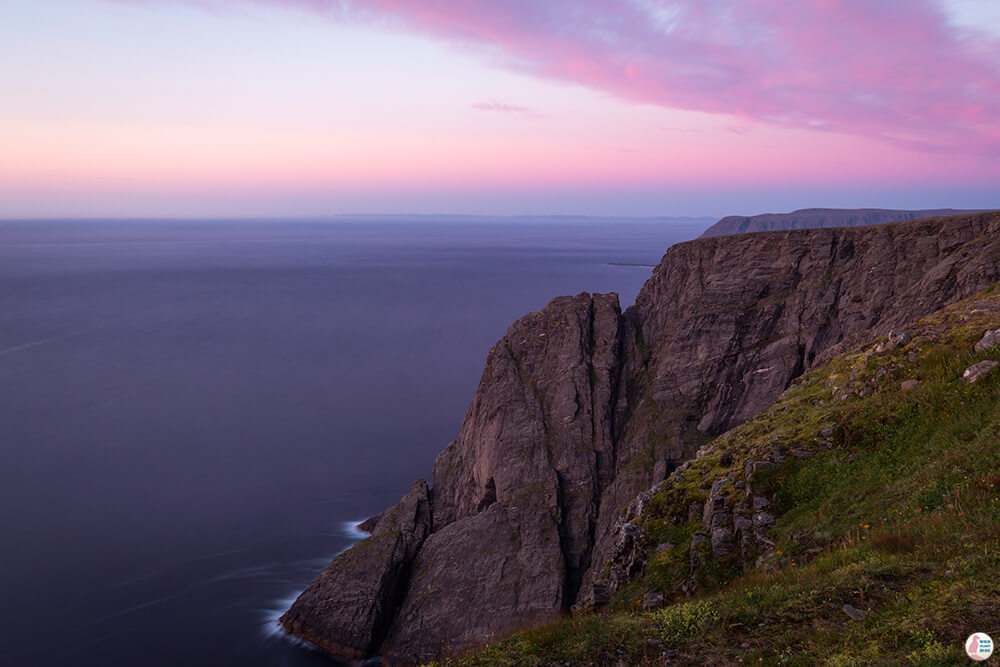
(581, 407)
(976, 372)
(348, 608)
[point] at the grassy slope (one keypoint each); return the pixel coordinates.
(896, 511)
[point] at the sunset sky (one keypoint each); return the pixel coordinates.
(160, 108)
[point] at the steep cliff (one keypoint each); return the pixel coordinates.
(854, 522)
(581, 407)
(814, 218)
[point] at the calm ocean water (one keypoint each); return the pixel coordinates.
(193, 414)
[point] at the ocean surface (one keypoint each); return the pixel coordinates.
(194, 414)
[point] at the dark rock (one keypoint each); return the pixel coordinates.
(854, 612)
(900, 338)
(989, 340)
(482, 576)
(652, 601)
(631, 531)
(723, 542)
(976, 372)
(600, 594)
(368, 525)
(717, 512)
(697, 553)
(744, 533)
(718, 520)
(347, 609)
(763, 519)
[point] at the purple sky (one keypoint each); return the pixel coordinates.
(607, 107)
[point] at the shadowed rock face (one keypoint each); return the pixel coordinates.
(349, 607)
(581, 407)
(813, 218)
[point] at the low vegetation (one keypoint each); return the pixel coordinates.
(885, 494)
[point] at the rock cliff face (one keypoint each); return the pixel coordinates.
(581, 407)
(812, 218)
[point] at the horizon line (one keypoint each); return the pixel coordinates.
(336, 216)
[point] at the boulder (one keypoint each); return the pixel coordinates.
(855, 613)
(976, 372)
(652, 601)
(989, 340)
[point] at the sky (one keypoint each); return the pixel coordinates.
(232, 108)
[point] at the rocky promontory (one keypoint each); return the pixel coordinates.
(815, 218)
(582, 406)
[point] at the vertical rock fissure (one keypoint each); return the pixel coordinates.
(604, 449)
(398, 594)
(575, 560)
(564, 541)
(489, 495)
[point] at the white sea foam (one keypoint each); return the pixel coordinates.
(350, 530)
(273, 629)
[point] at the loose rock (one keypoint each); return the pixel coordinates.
(854, 612)
(651, 601)
(989, 340)
(976, 372)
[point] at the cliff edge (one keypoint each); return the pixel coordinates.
(581, 407)
(815, 218)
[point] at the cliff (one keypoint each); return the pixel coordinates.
(581, 407)
(855, 522)
(812, 218)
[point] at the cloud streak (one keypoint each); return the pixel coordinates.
(502, 107)
(895, 70)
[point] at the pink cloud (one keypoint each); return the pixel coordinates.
(895, 70)
(503, 107)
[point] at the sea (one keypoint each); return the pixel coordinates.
(195, 414)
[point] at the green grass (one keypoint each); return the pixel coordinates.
(900, 503)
